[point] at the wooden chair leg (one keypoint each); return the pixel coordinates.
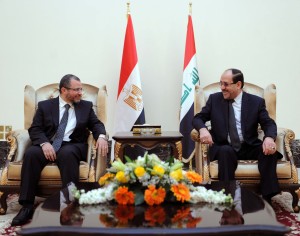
(296, 197)
(3, 198)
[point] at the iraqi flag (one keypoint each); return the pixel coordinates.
(130, 106)
(190, 79)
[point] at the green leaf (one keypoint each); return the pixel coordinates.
(139, 196)
(127, 158)
(170, 160)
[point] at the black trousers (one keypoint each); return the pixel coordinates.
(68, 159)
(227, 162)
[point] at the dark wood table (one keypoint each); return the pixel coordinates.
(148, 141)
(257, 217)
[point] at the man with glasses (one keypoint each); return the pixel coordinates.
(59, 133)
(235, 137)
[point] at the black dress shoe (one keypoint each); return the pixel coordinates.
(24, 215)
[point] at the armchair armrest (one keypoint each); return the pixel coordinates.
(201, 157)
(283, 142)
(18, 141)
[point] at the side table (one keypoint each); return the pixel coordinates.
(148, 141)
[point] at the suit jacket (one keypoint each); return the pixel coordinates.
(46, 121)
(253, 112)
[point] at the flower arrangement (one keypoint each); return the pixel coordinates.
(153, 216)
(152, 181)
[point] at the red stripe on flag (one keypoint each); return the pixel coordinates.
(129, 58)
(190, 49)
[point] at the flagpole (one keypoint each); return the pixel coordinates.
(128, 9)
(190, 157)
(193, 153)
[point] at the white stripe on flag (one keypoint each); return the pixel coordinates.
(128, 112)
(190, 79)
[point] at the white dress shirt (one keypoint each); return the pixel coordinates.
(71, 119)
(237, 108)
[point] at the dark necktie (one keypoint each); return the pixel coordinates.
(61, 129)
(233, 134)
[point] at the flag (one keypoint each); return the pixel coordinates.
(130, 106)
(190, 79)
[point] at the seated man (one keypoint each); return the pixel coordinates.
(59, 133)
(235, 116)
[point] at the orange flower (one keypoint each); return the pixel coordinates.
(194, 177)
(181, 214)
(155, 215)
(154, 196)
(123, 196)
(105, 178)
(124, 214)
(181, 192)
(192, 222)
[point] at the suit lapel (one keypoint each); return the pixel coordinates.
(77, 107)
(55, 111)
(244, 112)
(225, 112)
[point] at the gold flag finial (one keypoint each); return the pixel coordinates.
(190, 8)
(128, 8)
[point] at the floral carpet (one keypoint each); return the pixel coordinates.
(281, 204)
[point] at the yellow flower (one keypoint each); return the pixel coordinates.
(177, 174)
(105, 178)
(139, 171)
(158, 170)
(121, 177)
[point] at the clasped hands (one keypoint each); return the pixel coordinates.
(49, 152)
(269, 146)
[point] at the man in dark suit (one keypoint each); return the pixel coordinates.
(249, 112)
(67, 151)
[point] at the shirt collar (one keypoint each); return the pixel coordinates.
(238, 99)
(62, 103)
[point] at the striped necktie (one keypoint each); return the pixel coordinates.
(61, 129)
(233, 134)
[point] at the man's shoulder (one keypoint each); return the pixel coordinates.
(217, 95)
(252, 96)
(85, 103)
(48, 101)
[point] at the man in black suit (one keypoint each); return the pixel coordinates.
(66, 153)
(249, 112)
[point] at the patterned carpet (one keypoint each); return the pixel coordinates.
(281, 205)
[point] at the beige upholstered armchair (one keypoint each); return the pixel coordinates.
(247, 171)
(19, 140)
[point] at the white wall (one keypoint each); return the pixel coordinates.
(42, 40)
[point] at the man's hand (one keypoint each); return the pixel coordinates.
(102, 146)
(269, 146)
(205, 136)
(49, 151)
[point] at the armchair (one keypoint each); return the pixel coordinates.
(19, 140)
(247, 171)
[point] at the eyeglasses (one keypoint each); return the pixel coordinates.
(75, 89)
(225, 84)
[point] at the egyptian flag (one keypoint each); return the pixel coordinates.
(190, 79)
(130, 106)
